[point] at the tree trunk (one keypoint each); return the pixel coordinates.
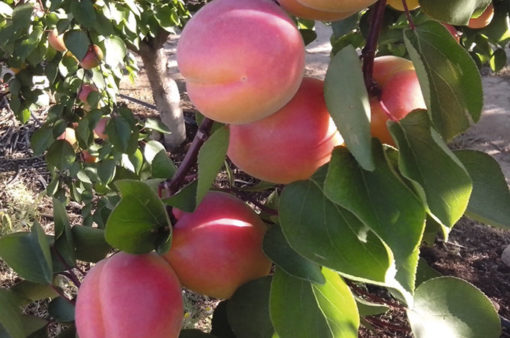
(165, 93)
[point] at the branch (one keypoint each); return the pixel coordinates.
(173, 185)
(368, 53)
(408, 15)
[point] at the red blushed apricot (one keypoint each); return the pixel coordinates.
(398, 5)
(100, 128)
(295, 7)
(56, 41)
(218, 247)
(483, 20)
(289, 145)
(242, 59)
(400, 94)
(68, 135)
(92, 58)
(127, 296)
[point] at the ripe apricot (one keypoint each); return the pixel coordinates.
(218, 247)
(242, 59)
(483, 20)
(56, 41)
(127, 296)
(398, 5)
(297, 8)
(92, 58)
(400, 94)
(291, 144)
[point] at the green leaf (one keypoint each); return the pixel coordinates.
(435, 173)
(63, 237)
(220, 325)
(449, 78)
(490, 199)
(21, 17)
(366, 308)
(61, 155)
(91, 245)
(185, 199)
(121, 135)
(338, 305)
(77, 42)
(210, 160)
(425, 272)
(279, 251)
(10, 316)
(498, 60)
(384, 204)
(301, 309)
(455, 12)
(347, 101)
(139, 223)
(41, 139)
(115, 51)
(28, 253)
(61, 310)
(156, 125)
(331, 236)
(83, 11)
(31, 292)
(162, 166)
(248, 310)
(451, 307)
(106, 170)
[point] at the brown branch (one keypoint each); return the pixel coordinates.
(368, 53)
(173, 185)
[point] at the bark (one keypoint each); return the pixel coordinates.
(164, 92)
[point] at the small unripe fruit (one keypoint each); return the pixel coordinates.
(291, 144)
(242, 59)
(93, 57)
(56, 41)
(218, 247)
(127, 296)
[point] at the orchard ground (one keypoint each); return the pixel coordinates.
(472, 253)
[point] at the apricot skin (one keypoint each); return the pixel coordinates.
(218, 247)
(296, 8)
(126, 296)
(483, 20)
(397, 4)
(242, 59)
(400, 94)
(289, 145)
(93, 57)
(56, 41)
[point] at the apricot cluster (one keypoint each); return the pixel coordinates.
(215, 249)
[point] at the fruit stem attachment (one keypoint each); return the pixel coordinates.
(172, 186)
(408, 15)
(368, 53)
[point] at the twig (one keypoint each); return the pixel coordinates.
(261, 206)
(375, 298)
(368, 53)
(173, 185)
(408, 15)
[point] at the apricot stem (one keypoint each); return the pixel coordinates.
(408, 15)
(368, 53)
(172, 186)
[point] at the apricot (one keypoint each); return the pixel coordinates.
(68, 135)
(130, 296)
(291, 144)
(84, 93)
(398, 5)
(483, 20)
(88, 158)
(100, 128)
(400, 94)
(242, 59)
(92, 58)
(56, 41)
(297, 8)
(218, 247)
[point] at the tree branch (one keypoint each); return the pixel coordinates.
(408, 15)
(173, 185)
(368, 53)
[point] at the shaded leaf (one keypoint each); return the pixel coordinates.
(455, 12)
(347, 101)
